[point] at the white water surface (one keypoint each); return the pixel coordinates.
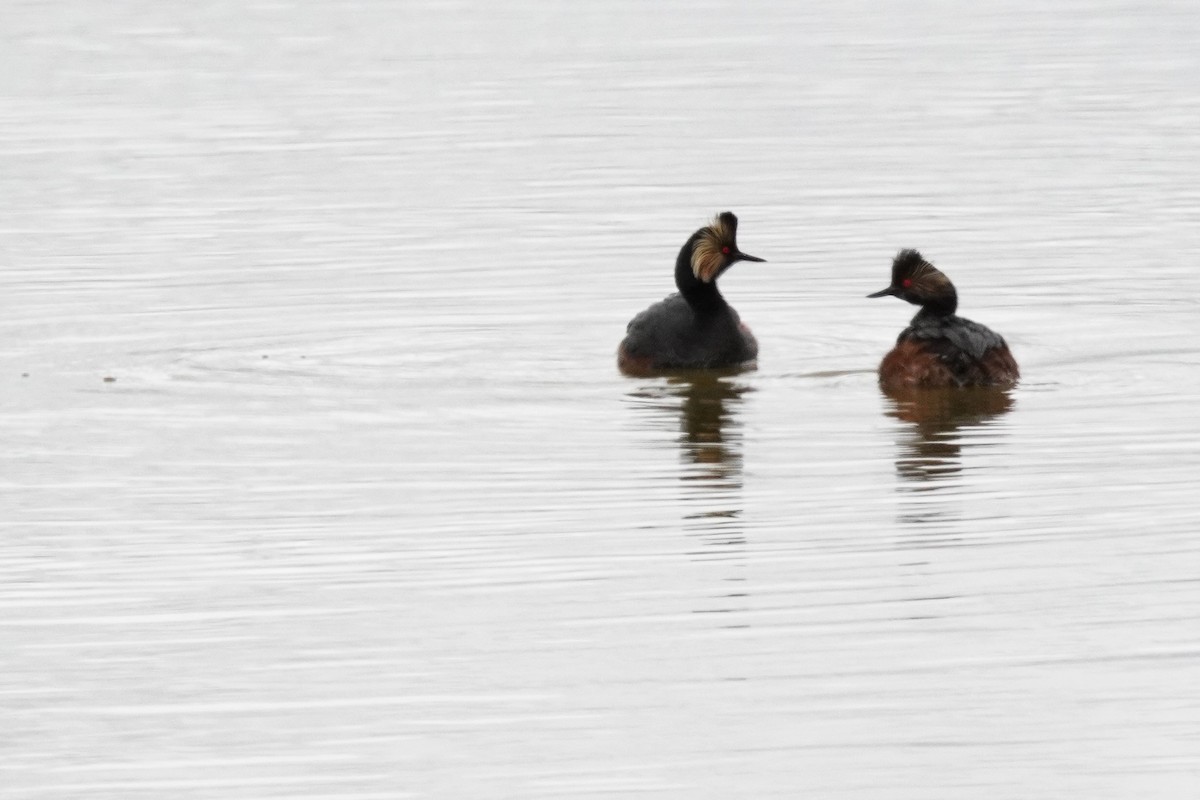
(318, 480)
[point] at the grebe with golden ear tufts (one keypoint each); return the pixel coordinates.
(695, 328)
(939, 348)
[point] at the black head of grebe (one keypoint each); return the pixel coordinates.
(706, 255)
(916, 281)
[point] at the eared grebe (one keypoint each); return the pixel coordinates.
(696, 328)
(939, 348)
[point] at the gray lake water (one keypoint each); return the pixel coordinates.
(318, 480)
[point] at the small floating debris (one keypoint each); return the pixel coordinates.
(109, 379)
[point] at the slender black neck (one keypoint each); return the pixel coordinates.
(942, 305)
(700, 296)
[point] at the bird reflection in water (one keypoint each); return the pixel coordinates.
(706, 406)
(710, 445)
(931, 447)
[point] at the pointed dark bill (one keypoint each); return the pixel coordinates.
(884, 292)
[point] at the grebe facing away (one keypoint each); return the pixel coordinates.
(939, 348)
(696, 328)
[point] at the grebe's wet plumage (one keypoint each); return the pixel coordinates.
(939, 348)
(695, 328)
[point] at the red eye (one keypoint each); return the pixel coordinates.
(725, 249)
(906, 283)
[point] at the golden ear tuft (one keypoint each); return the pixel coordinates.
(911, 265)
(712, 245)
